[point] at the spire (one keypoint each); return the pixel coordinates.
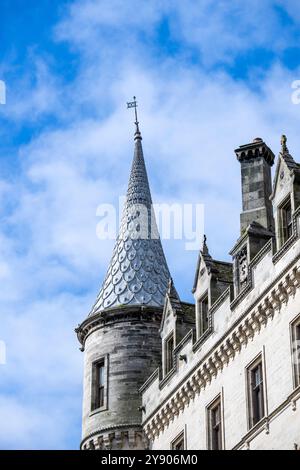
(204, 246)
(286, 156)
(205, 254)
(283, 141)
(138, 273)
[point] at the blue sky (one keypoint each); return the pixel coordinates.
(209, 76)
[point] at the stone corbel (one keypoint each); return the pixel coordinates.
(107, 441)
(148, 432)
(164, 417)
(290, 285)
(212, 367)
(250, 329)
(200, 379)
(182, 398)
(195, 384)
(230, 349)
(296, 272)
(275, 300)
(255, 321)
(158, 422)
(169, 412)
(218, 360)
(283, 294)
(174, 408)
(99, 443)
(242, 335)
(236, 342)
(207, 373)
(189, 390)
(91, 445)
(224, 354)
(156, 431)
(118, 440)
(265, 310)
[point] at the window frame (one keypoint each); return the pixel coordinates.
(295, 336)
(169, 358)
(216, 403)
(180, 438)
(252, 420)
(95, 386)
(285, 226)
(201, 329)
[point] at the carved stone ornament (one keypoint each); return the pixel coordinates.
(242, 266)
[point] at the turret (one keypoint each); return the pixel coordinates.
(120, 336)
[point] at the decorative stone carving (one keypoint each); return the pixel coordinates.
(242, 262)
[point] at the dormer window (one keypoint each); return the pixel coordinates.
(203, 314)
(285, 221)
(169, 350)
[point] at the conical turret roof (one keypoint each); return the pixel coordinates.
(138, 273)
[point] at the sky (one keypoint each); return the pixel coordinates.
(208, 75)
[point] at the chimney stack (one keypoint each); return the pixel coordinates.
(256, 160)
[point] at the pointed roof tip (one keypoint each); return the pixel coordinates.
(138, 272)
(283, 141)
(171, 291)
(171, 286)
(137, 134)
(286, 154)
(204, 246)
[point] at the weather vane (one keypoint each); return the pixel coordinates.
(133, 104)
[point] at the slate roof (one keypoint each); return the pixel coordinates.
(221, 269)
(138, 273)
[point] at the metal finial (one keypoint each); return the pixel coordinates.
(283, 143)
(205, 248)
(133, 104)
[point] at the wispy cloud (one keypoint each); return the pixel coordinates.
(176, 57)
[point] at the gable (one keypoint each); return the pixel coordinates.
(283, 182)
(201, 272)
(202, 278)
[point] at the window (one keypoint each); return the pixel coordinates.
(169, 348)
(296, 351)
(214, 413)
(98, 385)
(256, 392)
(178, 443)
(203, 314)
(285, 215)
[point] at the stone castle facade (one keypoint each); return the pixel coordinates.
(223, 373)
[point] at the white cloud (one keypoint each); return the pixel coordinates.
(51, 263)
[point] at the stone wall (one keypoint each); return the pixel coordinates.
(130, 344)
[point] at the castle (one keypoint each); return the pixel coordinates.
(223, 373)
